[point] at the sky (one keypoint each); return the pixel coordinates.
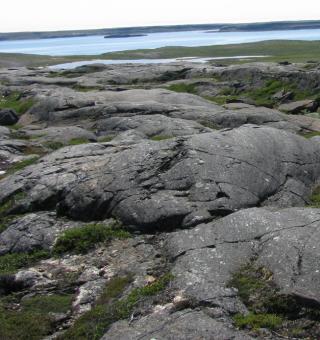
(49, 15)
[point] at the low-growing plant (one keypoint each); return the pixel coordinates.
(315, 197)
(10, 263)
(105, 139)
(16, 102)
(78, 141)
(256, 321)
(21, 165)
(47, 303)
(54, 145)
(108, 309)
(159, 138)
(80, 240)
(33, 320)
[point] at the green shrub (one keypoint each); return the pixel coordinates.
(256, 321)
(82, 239)
(10, 263)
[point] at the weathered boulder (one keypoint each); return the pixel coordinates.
(286, 242)
(8, 117)
(32, 231)
(300, 106)
(174, 183)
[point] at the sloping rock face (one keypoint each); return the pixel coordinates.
(124, 197)
(174, 183)
(205, 259)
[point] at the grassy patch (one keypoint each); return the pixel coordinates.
(311, 134)
(21, 165)
(81, 240)
(10, 203)
(209, 125)
(105, 139)
(32, 321)
(10, 263)
(78, 141)
(269, 308)
(54, 145)
(183, 87)
(47, 303)
(16, 102)
(159, 138)
(256, 321)
(93, 324)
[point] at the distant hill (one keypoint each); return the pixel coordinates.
(266, 26)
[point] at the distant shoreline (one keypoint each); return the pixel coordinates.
(273, 50)
(264, 26)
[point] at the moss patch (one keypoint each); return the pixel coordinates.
(81, 240)
(17, 102)
(159, 138)
(78, 141)
(11, 263)
(94, 324)
(32, 321)
(256, 321)
(269, 308)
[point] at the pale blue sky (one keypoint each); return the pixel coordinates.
(31, 15)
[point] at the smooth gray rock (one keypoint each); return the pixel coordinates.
(286, 242)
(32, 231)
(184, 325)
(174, 183)
(296, 107)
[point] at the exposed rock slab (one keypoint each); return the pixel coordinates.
(174, 183)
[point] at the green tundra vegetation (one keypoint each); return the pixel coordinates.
(272, 50)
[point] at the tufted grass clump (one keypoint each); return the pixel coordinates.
(80, 240)
(54, 145)
(11, 263)
(21, 165)
(33, 320)
(109, 309)
(256, 321)
(16, 102)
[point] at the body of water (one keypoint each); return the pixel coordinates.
(98, 44)
(75, 64)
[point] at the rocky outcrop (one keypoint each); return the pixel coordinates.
(174, 183)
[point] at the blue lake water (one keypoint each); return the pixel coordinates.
(98, 45)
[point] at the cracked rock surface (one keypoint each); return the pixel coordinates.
(188, 214)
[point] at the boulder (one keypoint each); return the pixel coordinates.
(8, 117)
(299, 106)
